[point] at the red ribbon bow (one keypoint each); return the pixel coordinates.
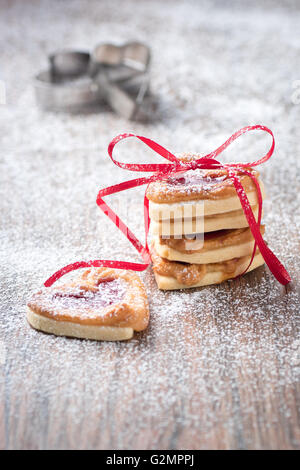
(162, 171)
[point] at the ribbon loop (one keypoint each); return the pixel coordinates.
(164, 170)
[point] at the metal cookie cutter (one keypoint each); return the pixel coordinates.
(122, 75)
(121, 62)
(128, 105)
(67, 84)
(118, 75)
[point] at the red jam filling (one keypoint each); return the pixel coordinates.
(197, 178)
(108, 292)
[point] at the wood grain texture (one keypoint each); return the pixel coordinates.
(218, 367)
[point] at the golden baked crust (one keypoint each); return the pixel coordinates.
(197, 185)
(211, 241)
(231, 214)
(214, 277)
(100, 297)
(76, 330)
(210, 223)
(186, 274)
(191, 274)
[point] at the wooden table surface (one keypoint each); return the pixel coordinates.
(218, 367)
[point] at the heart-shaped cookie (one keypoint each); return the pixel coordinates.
(102, 304)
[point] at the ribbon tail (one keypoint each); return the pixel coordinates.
(146, 219)
(275, 266)
(144, 251)
(260, 202)
(106, 209)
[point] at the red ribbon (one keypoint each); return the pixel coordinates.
(162, 171)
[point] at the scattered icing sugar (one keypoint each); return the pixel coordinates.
(217, 366)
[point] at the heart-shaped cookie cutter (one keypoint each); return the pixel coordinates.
(77, 80)
(67, 85)
(69, 63)
(122, 62)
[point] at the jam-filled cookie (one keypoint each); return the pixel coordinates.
(203, 192)
(171, 275)
(212, 247)
(193, 225)
(102, 304)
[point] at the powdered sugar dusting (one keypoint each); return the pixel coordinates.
(195, 180)
(217, 366)
(76, 301)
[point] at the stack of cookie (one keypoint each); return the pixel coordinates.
(199, 230)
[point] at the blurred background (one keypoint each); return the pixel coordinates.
(216, 66)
